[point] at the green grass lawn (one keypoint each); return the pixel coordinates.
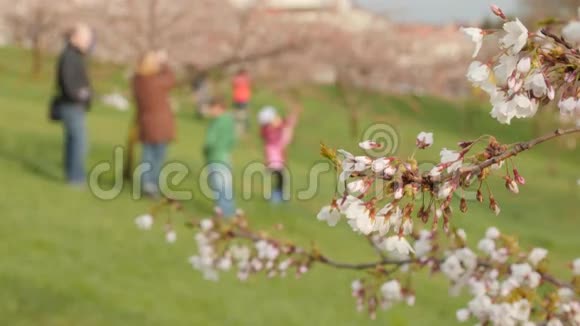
(68, 258)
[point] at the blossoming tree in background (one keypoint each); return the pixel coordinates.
(406, 213)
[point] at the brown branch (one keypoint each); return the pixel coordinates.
(241, 231)
(256, 56)
(361, 266)
(518, 148)
(554, 281)
(515, 150)
(557, 39)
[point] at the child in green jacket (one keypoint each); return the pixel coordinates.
(219, 143)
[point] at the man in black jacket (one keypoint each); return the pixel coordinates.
(74, 97)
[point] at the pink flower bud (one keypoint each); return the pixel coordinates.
(511, 81)
(524, 65)
(464, 144)
(368, 144)
(463, 205)
(479, 196)
(511, 185)
(518, 178)
(399, 193)
(497, 11)
(551, 92)
(493, 205)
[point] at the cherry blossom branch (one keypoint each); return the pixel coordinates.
(557, 39)
(518, 148)
(510, 286)
(366, 265)
(515, 150)
(240, 230)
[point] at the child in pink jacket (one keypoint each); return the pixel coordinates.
(277, 134)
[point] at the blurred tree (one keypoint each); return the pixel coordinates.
(34, 24)
(541, 9)
(210, 35)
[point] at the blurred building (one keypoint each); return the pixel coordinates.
(338, 13)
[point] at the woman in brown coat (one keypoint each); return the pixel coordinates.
(151, 87)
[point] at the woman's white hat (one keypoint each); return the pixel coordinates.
(267, 115)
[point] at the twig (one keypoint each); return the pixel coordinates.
(518, 148)
(515, 150)
(557, 39)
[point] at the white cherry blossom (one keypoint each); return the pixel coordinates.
(567, 105)
(566, 294)
(486, 245)
(480, 306)
(516, 37)
(537, 84)
(357, 186)
(356, 285)
(398, 244)
(423, 246)
(170, 236)
(461, 234)
(576, 266)
(381, 225)
(240, 253)
(266, 250)
(407, 226)
(329, 214)
(554, 322)
(380, 164)
(359, 217)
(451, 267)
(462, 315)
(391, 291)
(500, 255)
(537, 255)
(351, 163)
(524, 65)
(424, 139)
(206, 224)
(524, 106)
(284, 265)
(524, 274)
(369, 144)
(445, 190)
(386, 218)
(144, 222)
(224, 264)
(452, 158)
(521, 310)
(478, 73)
(435, 171)
(467, 257)
(492, 233)
(505, 67)
(503, 110)
(571, 32)
(476, 36)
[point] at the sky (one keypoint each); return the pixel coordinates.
(438, 11)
